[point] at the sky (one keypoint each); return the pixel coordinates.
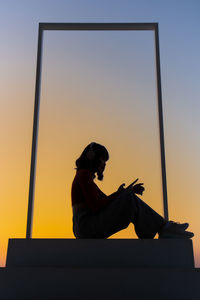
(98, 86)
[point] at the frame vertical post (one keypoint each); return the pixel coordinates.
(35, 135)
(161, 127)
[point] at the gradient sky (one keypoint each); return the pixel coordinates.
(98, 87)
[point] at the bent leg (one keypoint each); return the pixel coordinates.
(115, 216)
(147, 221)
(125, 209)
(111, 219)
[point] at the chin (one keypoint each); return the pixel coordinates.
(100, 176)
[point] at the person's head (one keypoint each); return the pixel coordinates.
(93, 158)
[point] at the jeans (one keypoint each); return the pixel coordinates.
(117, 215)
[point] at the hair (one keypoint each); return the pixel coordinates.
(90, 158)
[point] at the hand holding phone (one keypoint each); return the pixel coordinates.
(138, 188)
(121, 188)
(130, 185)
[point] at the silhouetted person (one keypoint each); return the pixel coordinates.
(96, 215)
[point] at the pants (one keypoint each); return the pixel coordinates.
(117, 215)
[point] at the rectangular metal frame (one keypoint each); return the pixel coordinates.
(89, 27)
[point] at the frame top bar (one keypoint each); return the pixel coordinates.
(98, 26)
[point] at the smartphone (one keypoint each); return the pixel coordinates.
(132, 183)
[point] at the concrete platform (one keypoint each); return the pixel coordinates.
(99, 283)
(94, 253)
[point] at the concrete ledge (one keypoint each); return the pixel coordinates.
(146, 253)
(99, 283)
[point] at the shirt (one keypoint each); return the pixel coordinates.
(84, 190)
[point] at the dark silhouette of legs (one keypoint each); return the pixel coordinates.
(125, 209)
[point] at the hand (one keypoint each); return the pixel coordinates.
(121, 188)
(138, 188)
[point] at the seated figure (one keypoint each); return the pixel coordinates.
(96, 215)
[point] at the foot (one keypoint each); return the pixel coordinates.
(175, 230)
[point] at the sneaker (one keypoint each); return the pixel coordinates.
(180, 226)
(175, 230)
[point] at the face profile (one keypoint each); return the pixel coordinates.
(102, 165)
